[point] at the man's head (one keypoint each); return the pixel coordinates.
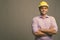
(43, 7)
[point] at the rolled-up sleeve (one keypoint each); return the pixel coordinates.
(53, 21)
(34, 25)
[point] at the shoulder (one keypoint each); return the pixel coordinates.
(52, 18)
(35, 18)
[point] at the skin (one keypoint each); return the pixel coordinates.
(51, 30)
(43, 10)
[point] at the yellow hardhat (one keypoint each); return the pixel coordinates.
(43, 3)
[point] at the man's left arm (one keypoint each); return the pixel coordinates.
(53, 28)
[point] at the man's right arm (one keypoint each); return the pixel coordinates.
(39, 33)
(35, 28)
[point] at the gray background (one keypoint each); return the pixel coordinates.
(16, 18)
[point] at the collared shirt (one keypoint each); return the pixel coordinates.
(40, 23)
(43, 24)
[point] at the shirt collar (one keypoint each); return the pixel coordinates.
(45, 16)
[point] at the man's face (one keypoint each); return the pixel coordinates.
(43, 10)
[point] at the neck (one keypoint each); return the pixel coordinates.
(43, 16)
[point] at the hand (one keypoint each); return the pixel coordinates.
(51, 27)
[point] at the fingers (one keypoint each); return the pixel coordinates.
(51, 27)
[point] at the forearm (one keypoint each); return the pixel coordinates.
(39, 33)
(50, 31)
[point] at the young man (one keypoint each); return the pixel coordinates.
(44, 26)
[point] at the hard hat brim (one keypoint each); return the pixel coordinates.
(43, 6)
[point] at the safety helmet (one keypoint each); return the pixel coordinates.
(43, 3)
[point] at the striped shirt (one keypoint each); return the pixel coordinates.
(40, 23)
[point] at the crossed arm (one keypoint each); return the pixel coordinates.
(52, 30)
(39, 33)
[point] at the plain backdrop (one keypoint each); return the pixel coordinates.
(16, 18)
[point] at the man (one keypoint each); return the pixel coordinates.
(44, 26)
